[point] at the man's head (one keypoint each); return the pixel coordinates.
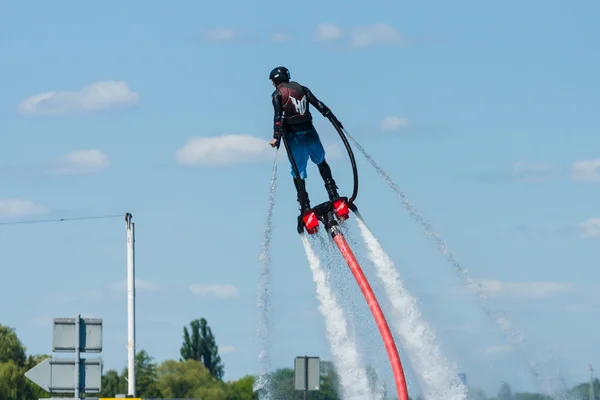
(279, 75)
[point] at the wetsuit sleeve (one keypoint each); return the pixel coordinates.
(318, 104)
(277, 114)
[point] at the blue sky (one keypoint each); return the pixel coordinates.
(485, 114)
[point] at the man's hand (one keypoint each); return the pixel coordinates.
(277, 133)
(334, 119)
(329, 115)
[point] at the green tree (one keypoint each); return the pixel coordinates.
(13, 361)
(505, 392)
(146, 377)
(11, 348)
(531, 396)
(33, 391)
(191, 378)
(330, 383)
(11, 381)
(202, 346)
(242, 389)
(112, 384)
(582, 390)
(188, 379)
(282, 386)
(190, 350)
(475, 393)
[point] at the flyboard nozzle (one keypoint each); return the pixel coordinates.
(330, 223)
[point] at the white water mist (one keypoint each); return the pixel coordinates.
(513, 335)
(438, 379)
(362, 332)
(263, 328)
(353, 378)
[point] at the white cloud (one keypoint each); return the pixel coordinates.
(327, 32)
(526, 171)
(503, 348)
(219, 35)
(524, 289)
(220, 291)
(390, 124)
(590, 228)
(140, 286)
(224, 150)
(229, 150)
(378, 34)
(279, 37)
(18, 208)
(587, 171)
(227, 349)
(98, 96)
(80, 162)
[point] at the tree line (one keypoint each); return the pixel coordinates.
(198, 374)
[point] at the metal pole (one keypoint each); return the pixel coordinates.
(77, 356)
(130, 304)
(305, 376)
(592, 395)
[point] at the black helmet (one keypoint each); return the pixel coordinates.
(279, 74)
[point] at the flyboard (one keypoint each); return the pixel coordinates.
(331, 214)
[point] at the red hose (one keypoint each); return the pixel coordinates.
(384, 329)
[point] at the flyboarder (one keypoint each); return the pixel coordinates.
(293, 124)
(291, 103)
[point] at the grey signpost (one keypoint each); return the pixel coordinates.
(307, 374)
(72, 375)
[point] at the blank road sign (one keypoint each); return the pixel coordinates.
(90, 335)
(307, 373)
(58, 375)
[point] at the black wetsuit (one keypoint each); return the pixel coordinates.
(291, 105)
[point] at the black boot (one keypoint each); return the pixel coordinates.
(300, 189)
(330, 185)
(331, 188)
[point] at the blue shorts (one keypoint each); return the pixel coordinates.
(303, 145)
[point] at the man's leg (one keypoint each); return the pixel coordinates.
(303, 200)
(300, 153)
(317, 155)
(330, 185)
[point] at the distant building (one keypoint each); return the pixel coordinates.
(463, 377)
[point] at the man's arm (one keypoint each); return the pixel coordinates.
(277, 114)
(319, 105)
